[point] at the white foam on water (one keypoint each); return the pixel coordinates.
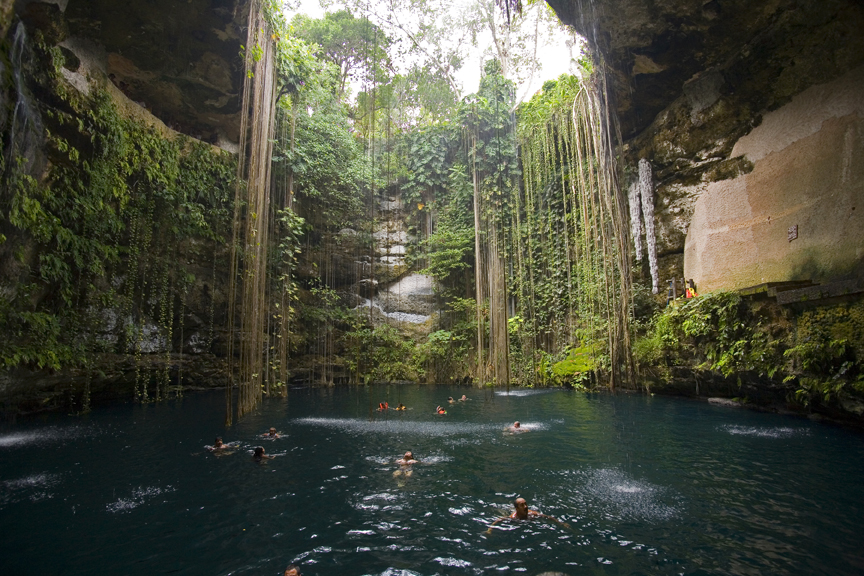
(399, 572)
(35, 487)
(627, 497)
(364, 426)
(525, 427)
(455, 562)
(381, 496)
(764, 432)
(43, 436)
(139, 496)
(521, 392)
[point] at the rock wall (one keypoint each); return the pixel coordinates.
(704, 91)
(798, 215)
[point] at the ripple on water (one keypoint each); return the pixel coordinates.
(763, 431)
(35, 487)
(138, 497)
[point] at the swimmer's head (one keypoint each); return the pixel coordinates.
(218, 442)
(292, 570)
(259, 452)
(272, 431)
(517, 425)
(521, 508)
(408, 456)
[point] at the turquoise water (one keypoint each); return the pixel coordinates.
(648, 485)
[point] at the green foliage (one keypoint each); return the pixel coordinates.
(108, 175)
(381, 354)
(821, 352)
(427, 163)
(355, 46)
(828, 353)
(329, 169)
(717, 332)
(576, 368)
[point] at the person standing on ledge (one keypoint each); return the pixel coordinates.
(522, 512)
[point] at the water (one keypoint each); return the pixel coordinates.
(648, 485)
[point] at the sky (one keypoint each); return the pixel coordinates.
(553, 52)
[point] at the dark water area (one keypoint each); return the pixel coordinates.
(648, 485)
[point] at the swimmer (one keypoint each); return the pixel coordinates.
(401, 407)
(270, 433)
(260, 455)
(218, 445)
(407, 459)
(522, 512)
(516, 428)
(405, 465)
(450, 400)
(440, 410)
(463, 398)
(292, 570)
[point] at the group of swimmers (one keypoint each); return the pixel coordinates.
(520, 512)
(383, 406)
(258, 454)
(450, 400)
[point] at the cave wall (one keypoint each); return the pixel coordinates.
(79, 144)
(178, 60)
(797, 215)
(697, 88)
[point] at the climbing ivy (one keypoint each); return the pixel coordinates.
(119, 201)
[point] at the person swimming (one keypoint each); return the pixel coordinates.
(463, 398)
(405, 465)
(292, 570)
(401, 407)
(522, 512)
(407, 459)
(440, 410)
(259, 454)
(450, 400)
(270, 433)
(218, 445)
(516, 428)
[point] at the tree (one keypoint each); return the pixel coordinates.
(356, 46)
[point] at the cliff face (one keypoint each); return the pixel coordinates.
(751, 115)
(114, 203)
(178, 60)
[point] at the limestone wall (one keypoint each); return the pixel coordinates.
(808, 171)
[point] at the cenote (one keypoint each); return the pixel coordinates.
(647, 485)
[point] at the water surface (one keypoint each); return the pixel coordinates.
(648, 485)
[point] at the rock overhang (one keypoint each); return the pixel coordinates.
(179, 60)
